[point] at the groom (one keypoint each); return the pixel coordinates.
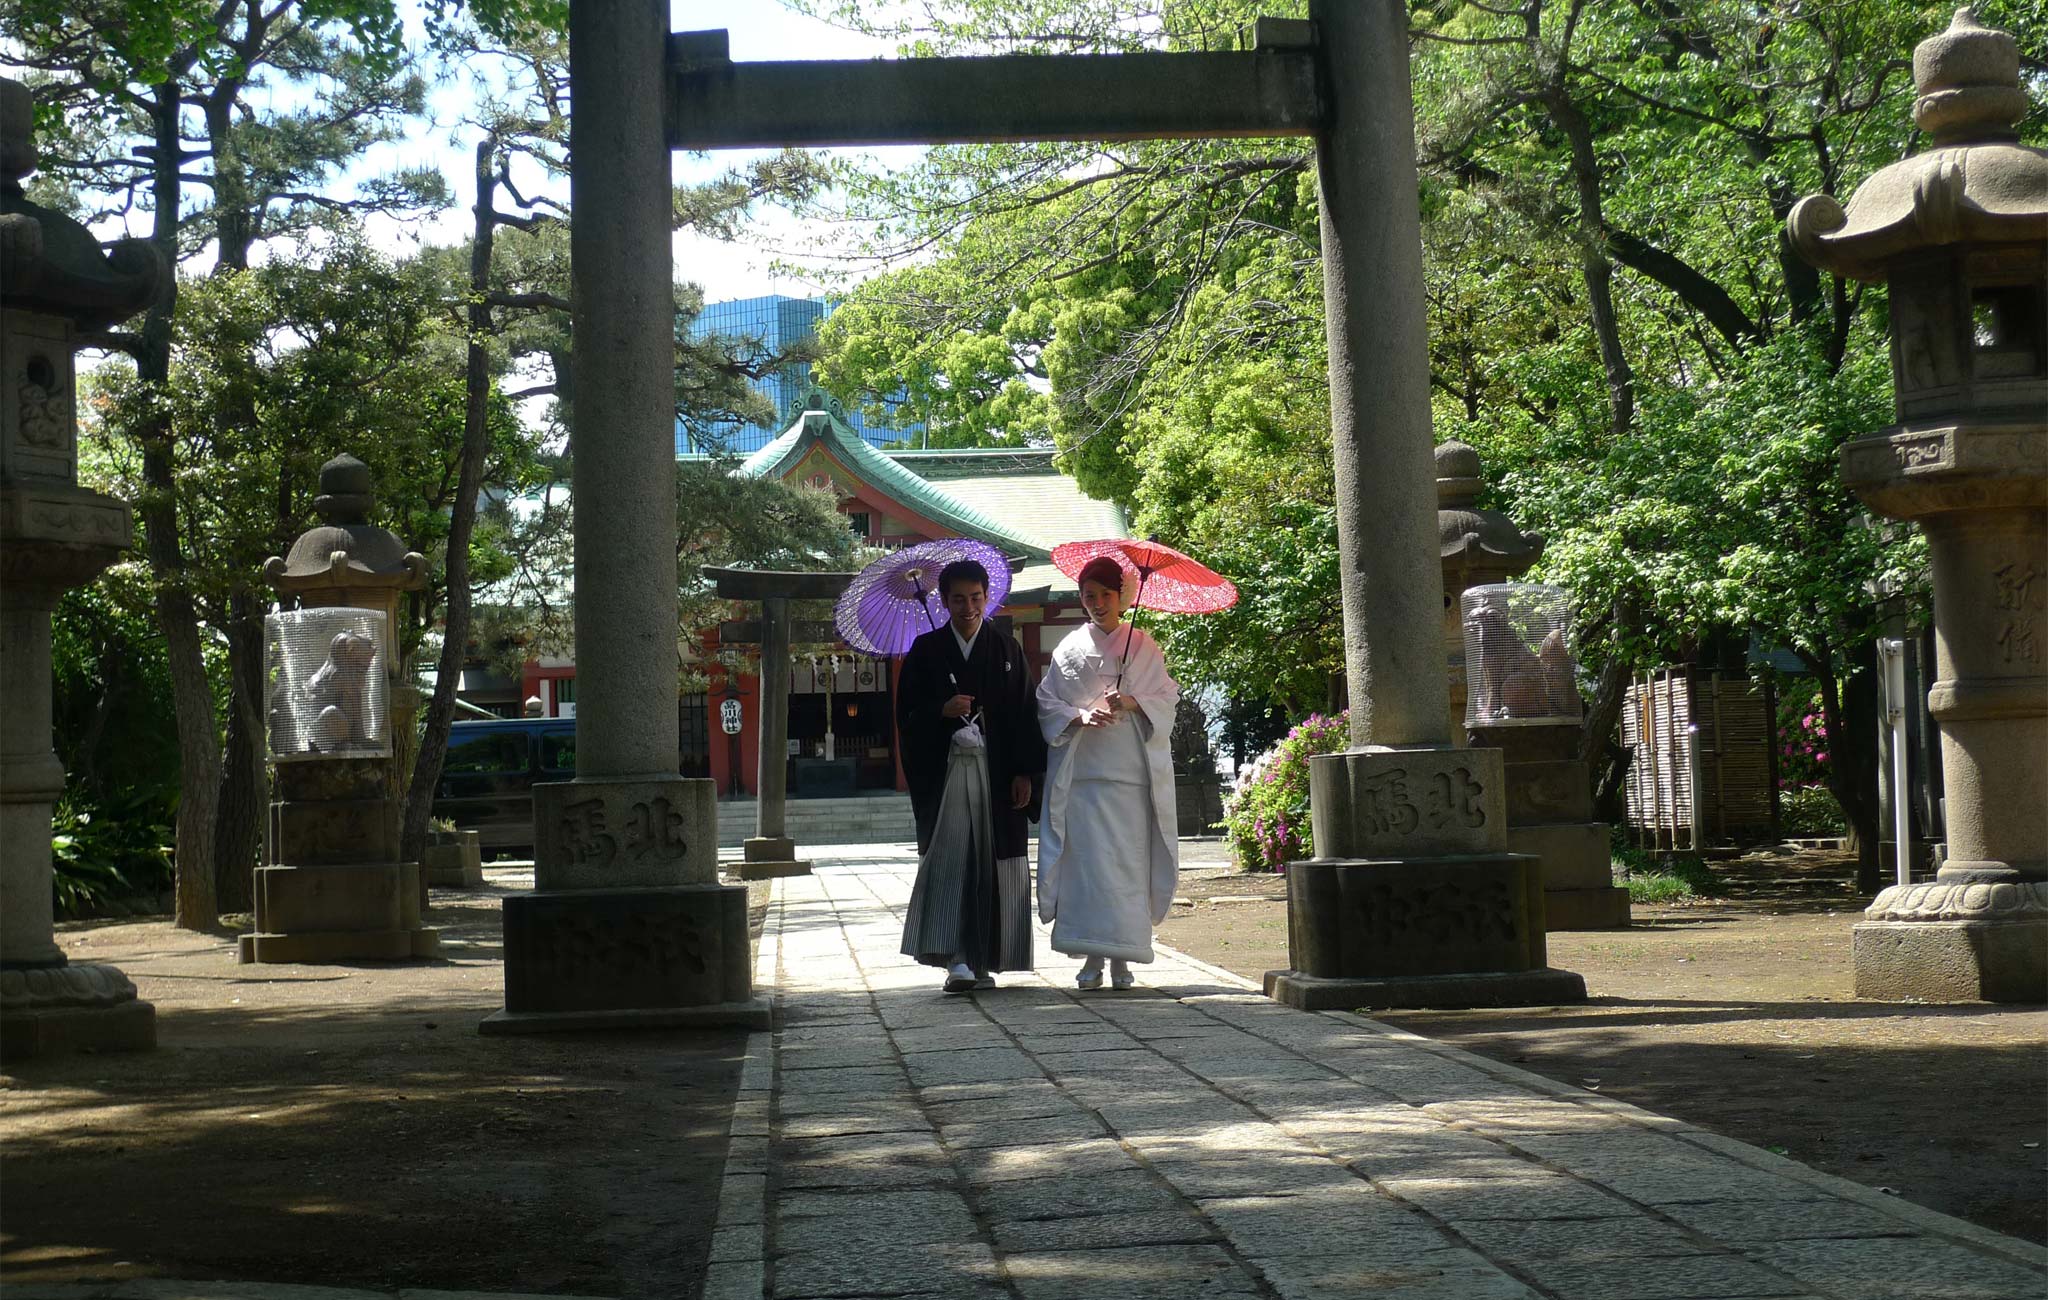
(973, 917)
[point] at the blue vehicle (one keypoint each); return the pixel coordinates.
(487, 779)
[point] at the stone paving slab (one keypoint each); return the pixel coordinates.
(1191, 1138)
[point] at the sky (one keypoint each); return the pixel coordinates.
(758, 30)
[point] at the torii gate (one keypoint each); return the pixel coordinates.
(1413, 831)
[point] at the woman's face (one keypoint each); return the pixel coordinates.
(1105, 605)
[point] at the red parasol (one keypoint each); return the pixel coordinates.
(1167, 579)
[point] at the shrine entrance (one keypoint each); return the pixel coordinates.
(1341, 78)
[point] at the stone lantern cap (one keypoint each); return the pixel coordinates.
(1471, 537)
(1977, 185)
(346, 550)
(48, 262)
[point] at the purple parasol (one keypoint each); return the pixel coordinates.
(892, 601)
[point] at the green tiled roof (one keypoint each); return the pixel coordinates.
(928, 499)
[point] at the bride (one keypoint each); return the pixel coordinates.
(1107, 847)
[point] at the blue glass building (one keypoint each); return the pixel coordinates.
(772, 323)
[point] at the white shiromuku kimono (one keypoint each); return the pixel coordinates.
(1108, 850)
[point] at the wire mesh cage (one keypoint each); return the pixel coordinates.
(325, 676)
(1519, 665)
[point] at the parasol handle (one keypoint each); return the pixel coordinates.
(917, 586)
(1137, 602)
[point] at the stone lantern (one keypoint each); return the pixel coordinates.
(1549, 791)
(54, 535)
(334, 889)
(1960, 234)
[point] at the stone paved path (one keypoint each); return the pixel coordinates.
(1190, 1138)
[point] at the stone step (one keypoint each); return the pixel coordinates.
(865, 819)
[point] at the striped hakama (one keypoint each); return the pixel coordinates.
(968, 905)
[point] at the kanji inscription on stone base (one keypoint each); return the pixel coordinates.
(1408, 803)
(618, 834)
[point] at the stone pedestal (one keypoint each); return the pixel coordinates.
(764, 857)
(1415, 900)
(627, 926)
(1550, 817)
(456, 862)
(337, 892)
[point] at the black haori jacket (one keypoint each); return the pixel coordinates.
(1000, 681)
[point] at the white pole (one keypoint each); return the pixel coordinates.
(1892, 653)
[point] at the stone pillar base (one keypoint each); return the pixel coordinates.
(652, 957)
(1528, 988)
(354, 912)
(73, 1007)
(1955, 941)
(764, 857)
(1446, 931)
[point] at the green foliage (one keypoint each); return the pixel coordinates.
(1657, 384)
(109, 852)
(110, 694)
(1652, 877)
(1810, 811)
(1266, 817)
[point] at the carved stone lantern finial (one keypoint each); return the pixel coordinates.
(1960, 234)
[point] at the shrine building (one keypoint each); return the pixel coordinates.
(841, 712)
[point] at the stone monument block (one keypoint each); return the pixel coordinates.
(628, 926)
(1363, 920)
(335, 831)
(678, 948)
(625, 834)
(362, 897)
(1407, 803)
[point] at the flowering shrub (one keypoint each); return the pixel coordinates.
(1802, 737)
(1266, 816)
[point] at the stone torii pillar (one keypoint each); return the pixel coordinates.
(1960, 233)
(627, 926)
(1414, 827)
(770, 851)
(54, 535)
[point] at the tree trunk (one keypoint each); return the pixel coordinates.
(1851, 716)
(426, 770)
(177, 612)
(244, 787)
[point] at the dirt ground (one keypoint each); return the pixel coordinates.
(368, 1136)
(349, 1126)
(1739, 1014)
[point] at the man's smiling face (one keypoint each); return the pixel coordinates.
(967, 602)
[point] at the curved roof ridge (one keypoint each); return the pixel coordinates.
(941, 506)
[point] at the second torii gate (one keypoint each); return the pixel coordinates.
(770, 851)
(1415, 902)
